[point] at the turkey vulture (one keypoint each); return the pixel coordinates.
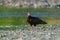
(34, 20)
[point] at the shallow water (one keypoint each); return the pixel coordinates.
(36, 14)
(24, 32)
(49, 32)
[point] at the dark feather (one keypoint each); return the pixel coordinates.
(35, 20)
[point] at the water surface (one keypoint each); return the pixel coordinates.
(36, 14)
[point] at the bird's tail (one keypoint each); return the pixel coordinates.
(43, 22)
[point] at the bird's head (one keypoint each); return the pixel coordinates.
(28, 14)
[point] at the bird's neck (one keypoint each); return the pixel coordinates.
(29, 17)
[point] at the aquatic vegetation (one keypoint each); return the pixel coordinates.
(15, 27)
(14, 9)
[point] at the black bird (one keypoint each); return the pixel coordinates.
(34, 20)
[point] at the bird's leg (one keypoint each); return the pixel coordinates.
(34, 24)
(30, 26)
